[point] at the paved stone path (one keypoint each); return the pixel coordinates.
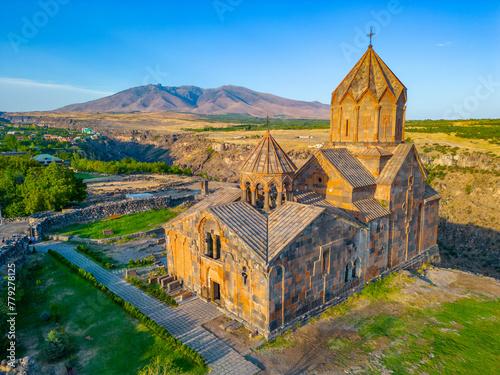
(145, 268)
(183, 322)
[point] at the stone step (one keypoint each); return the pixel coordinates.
(164, 281)
(185, 296)
(234, 327)
(173, 286)
(231, 326)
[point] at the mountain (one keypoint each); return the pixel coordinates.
(222, 100)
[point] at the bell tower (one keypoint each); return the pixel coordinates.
(368, 107)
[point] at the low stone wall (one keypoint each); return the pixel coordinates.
(94, 213)
(13, 250)
(159, 232)
(38, 215)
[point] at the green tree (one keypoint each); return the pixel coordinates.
(10, 141)
(26, 187)
(51, 188)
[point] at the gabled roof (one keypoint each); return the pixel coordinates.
(221, 196)
(268, 158)
(268, 235)
(370, 74)
(286, 222)
(371, 209)
(374, 152)
(393, 166)
(313, 199)
(248, 223)
(350, 168)
(430, 194)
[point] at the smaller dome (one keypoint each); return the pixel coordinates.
(268, 158)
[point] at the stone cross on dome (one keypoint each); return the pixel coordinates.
(370, 35)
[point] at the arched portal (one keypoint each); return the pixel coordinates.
(214, 286)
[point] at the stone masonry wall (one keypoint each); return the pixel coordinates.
(311, 270)
(97, 212)
(14, 249)
(243, 296)
(429, 256)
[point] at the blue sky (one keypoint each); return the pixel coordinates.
(58, 52)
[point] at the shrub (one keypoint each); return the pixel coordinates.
(56, 345)
(55, 312)
(44, 316)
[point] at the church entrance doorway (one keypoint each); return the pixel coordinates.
(216, 292)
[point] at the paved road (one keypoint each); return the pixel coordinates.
(183, 322)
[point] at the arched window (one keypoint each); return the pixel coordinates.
(325, 262)
(211, 245)
(356, 269)
(347, 128)
(348, 272)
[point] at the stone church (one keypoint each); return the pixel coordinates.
(290, 241)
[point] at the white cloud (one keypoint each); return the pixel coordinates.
(31, 83)
(446, 44)
(21, 95)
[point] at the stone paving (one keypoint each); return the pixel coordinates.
(145, 268)
(183, 322)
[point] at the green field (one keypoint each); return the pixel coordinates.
(121, 226)
(104, 338)
(487, 129)
(401, 333)
(461, 337)
(86, 176)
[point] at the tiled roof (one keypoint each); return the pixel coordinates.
(268, 158)
(246, 222)
(266, 235)
(374, 151)
(349, 167)
(221, 196)
(311, 198)
(392, 168)
(430, 194)
(371, 209)
(370, 74)
(286, 222)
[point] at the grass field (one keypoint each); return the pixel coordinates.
(104, 338)
(86, 176)
(121, 226)
(405, 325)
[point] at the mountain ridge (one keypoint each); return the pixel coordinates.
(188, 98)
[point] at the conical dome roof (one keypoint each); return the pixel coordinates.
(268, 158)
(369, 74)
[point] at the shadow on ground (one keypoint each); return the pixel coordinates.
(469, 247)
